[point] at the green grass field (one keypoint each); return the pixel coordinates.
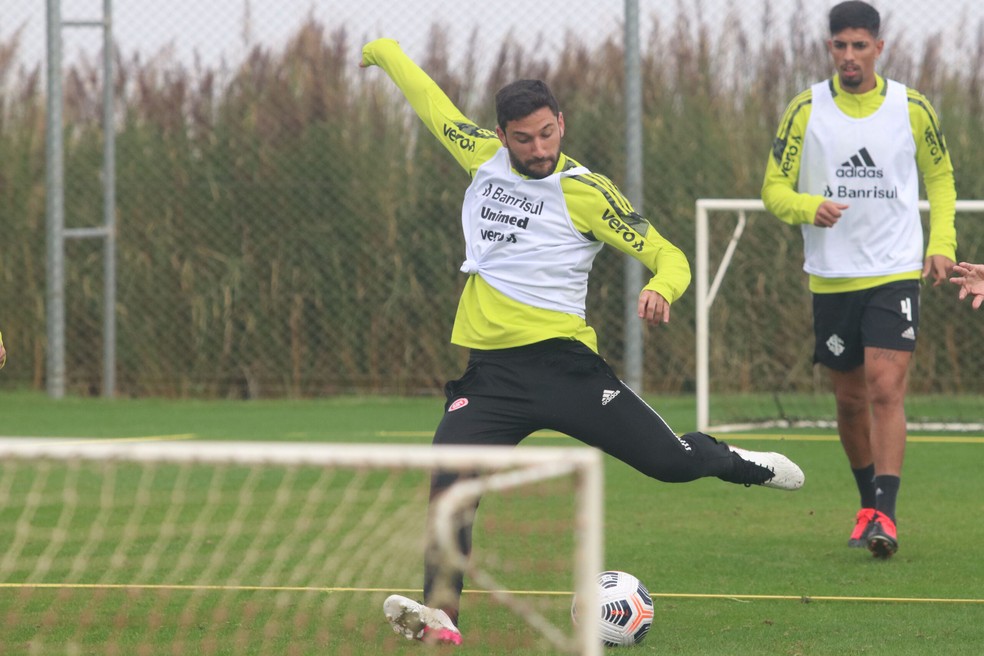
(733, 570)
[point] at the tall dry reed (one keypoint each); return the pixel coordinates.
(287, 228)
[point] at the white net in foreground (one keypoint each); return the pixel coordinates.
(286, 548)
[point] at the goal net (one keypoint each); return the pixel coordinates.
(755, 332)
(286, 548)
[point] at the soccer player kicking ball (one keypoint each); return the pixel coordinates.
(533, 220)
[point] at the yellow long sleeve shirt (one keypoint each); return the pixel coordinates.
(487, 318)
(781, 197)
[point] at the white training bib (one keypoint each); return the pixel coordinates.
(520, 239)
(869, 164)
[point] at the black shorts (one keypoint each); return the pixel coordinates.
(882, 317)
(563, 385)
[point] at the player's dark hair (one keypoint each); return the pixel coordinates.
(521, 98)
(854, 14)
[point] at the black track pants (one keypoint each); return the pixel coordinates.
(562, 385)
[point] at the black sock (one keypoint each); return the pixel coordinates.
(865, 478)
(886, 492)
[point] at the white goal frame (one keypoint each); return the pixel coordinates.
(707, 291)
(510, 468)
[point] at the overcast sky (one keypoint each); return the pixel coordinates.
(218, 28)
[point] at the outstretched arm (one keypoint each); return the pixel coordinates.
(970, 277)
(469, 144)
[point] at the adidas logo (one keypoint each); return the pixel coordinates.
(860, 158)
(608, 395)
(860, 165)
(909, 333)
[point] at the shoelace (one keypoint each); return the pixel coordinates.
(752, 472)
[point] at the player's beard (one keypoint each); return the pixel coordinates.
(849, 82)
(545, 165)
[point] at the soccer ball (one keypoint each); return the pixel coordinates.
(626, 609)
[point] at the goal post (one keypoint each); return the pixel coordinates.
(754, 338)
(194, 533)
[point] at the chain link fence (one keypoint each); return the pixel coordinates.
(285, 227)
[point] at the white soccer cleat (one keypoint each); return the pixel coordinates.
(786, 474)
(414, 621)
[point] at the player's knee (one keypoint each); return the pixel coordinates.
(886, 391)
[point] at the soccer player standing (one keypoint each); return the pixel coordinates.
(844, 166)
(534, 220)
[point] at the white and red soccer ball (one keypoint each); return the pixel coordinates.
(626, 609)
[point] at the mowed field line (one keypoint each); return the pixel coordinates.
(409, 434)
(75, 441)
(528, 593)
(731, 437)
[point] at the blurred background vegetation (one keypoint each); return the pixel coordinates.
(287, 228)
